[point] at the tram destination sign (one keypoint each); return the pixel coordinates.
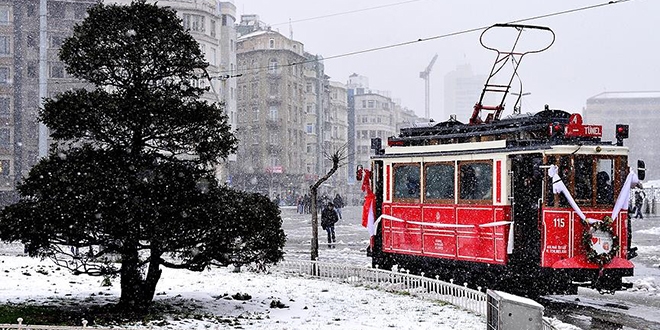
(575, 128)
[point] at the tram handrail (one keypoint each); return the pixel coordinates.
(445, 225)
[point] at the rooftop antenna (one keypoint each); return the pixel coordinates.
(427, 87)
(290, 30)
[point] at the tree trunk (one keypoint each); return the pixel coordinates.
(315, 224)
(137, 294)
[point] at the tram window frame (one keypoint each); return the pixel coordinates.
(486, 197)
(396, 181)
(440, 198)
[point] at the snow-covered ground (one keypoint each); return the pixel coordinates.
(309, 303)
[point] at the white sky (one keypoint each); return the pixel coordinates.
(610, 48)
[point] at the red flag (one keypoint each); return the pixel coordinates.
(369, 203)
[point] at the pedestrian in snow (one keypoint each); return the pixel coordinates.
(639, 201)
(328, 220)
(339, 203)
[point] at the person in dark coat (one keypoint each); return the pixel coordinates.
(639, 202)
(328, 220)
(339, 203)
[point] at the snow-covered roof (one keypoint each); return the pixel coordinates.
(627, 95)
(256, 33)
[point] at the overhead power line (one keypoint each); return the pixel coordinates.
(441, 36)
(346, 12)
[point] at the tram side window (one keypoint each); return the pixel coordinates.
(406, 181)
(584, 179)
(476, 181)
(439, 181)
(604, 176)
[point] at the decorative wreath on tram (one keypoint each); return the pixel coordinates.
(600, 241)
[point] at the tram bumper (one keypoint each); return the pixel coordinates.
(609, 278)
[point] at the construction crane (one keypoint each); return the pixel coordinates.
(427, 87)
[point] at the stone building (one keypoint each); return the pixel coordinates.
(270, 114)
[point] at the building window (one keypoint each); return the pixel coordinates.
(31, 40)
(4, 15)
(194, 22)
(213, 27)
(5, 167)
(364, 104)
(224, 20)
(272, 65)
(309, 128)
(5, 45)
(255, 89)
(371, 104)
(274, 89)
(255, 113)
(5, 107)
(31, 10)
(4, 75)
(273, 112)
(56, 71)
(56, 41)
(5, 138)
(271, 43)
(56, 9)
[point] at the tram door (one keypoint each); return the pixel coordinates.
(526, 184)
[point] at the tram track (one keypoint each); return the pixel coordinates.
(601, 314)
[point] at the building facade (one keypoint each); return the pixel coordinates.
(270, 115)
(639, 110)
(31, 34)
(462, 91)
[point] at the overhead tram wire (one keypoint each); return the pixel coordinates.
(441, 36)
(347, 12)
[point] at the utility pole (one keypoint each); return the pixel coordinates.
(427, 87)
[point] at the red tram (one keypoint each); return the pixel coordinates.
(532, 204)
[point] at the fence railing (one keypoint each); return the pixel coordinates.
(22, 326)
(415, 285)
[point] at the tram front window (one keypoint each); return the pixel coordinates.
(583, 179)
(590, 181)
(604, 188)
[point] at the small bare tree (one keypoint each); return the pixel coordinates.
(338, 159)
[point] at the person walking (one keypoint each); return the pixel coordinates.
(328, 220)
(639, 202)
(339, 203)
